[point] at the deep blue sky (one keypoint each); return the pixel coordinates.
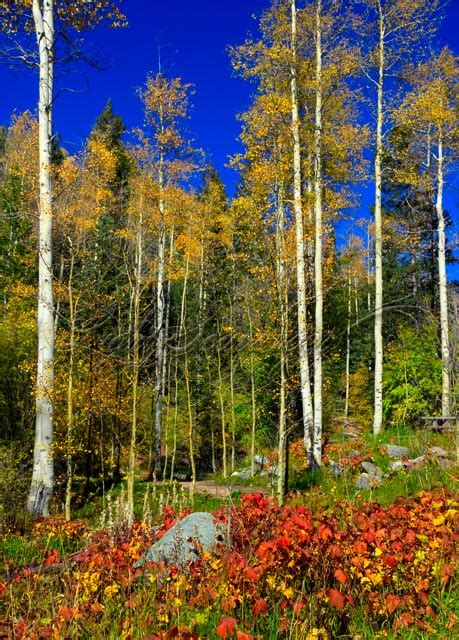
(194, 35)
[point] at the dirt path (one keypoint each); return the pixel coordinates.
(222, 490)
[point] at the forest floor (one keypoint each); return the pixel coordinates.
(337, 561)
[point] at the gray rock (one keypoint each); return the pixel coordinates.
(245, 474)
(365, 481)
(185, 541)
(260, 461)
(372, 469)
(394, 451)
(272, 471)
(437, 452)
(336, 469)
(407, 465)
(446, 463)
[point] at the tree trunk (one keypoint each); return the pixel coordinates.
(222, 409)
(308, 421)
(135, 363)
(43, 468)
(348, 342)
(378, 372)
(160, 327)
(70, 416)
(317, 439)
(282, 287)
(443, 286)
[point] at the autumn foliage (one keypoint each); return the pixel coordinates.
(305, 571)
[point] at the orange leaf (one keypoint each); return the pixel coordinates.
(240, 635)
(336, 598)
(340, 576)
(225, 627)
(260, 606)
(66, 613)
(392, 603)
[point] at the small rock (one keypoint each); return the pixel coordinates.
(407, 465)
(365, 481)
(272, 471)
(445, 463)
(373, 470)
(355, 453)
(185, 541)
(236, 474)
(394, 451)
(336, 469)
(437, 452)
(261, 461)
(415, 462)
(245, 474)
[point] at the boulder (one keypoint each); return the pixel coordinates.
(394, 451)
(185, 541)
(373, 470)
(437, 452)
(260, 461)
(407, 465)
(365, 481)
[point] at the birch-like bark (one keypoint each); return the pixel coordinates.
(282, 288)
(306, 397)
(43, 468)
(135, 363)
(318, 214)
(378, 370)
(70, 413)
(348, 342)
(160, 325)
(222, 410)
(252, 391)
(443, 285)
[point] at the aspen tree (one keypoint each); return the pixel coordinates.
(398, 25)
(430, 109)
(16, 15)
(306, 396)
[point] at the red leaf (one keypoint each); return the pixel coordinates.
(391, 561)
(66, 613)
(340, 576)
(260, 606)
(336, 598)
(225, 627)
(392, 603)
(240, 635)
(251, 574)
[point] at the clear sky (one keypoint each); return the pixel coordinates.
(194, 36)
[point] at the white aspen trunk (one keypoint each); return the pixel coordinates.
(70, 416)
(160, 325)
(306, 397)
(222, 410)
(348, 342)
(443, 285)
(135, 364)
(317, 438)
(188, 387)
(252, 391)
(378, 371)
(176, 393)
(167, 360)
(368, 267)
(282, 287)
(43, 468)
(232, 413)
